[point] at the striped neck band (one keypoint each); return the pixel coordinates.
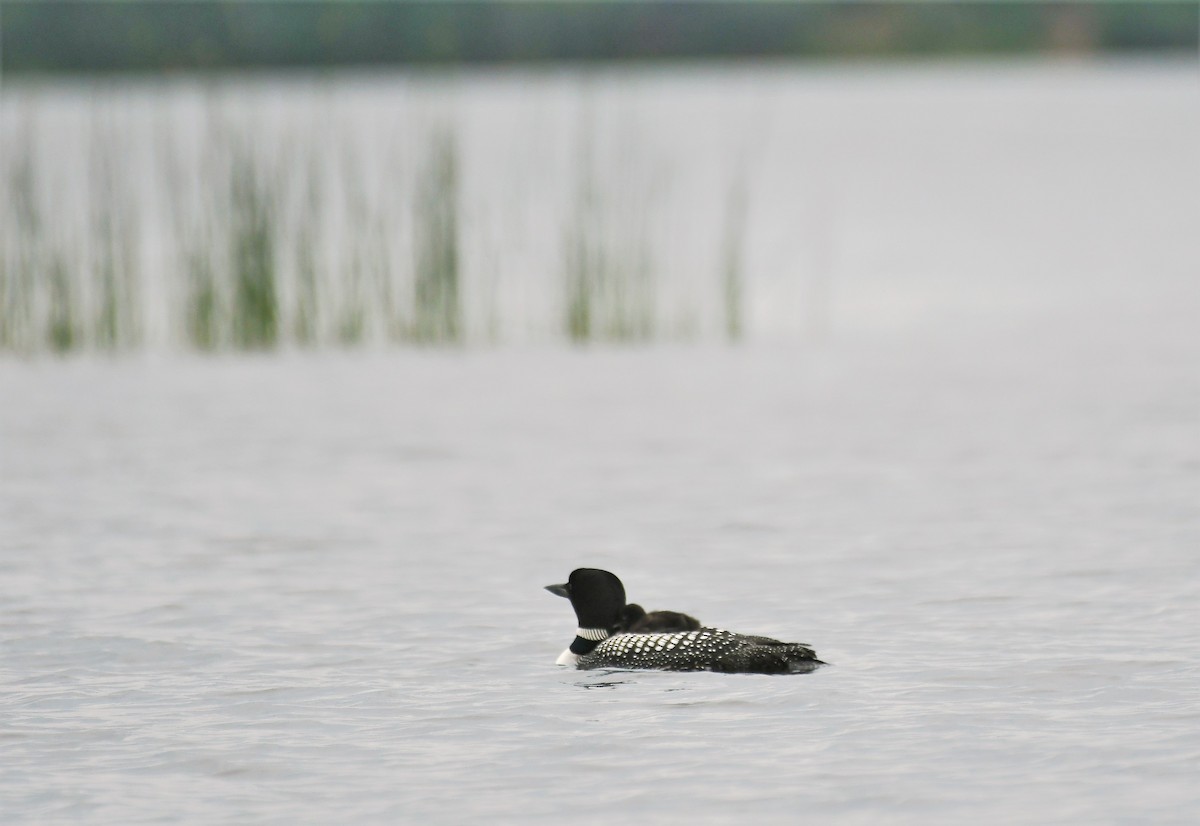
(593, 634)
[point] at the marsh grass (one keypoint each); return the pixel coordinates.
(25, 247)
(732, 274)
(437, 304)
(255, 322)
(608, 277)
(304, 317)
(115, 274)
(221, 232)
(609, 287)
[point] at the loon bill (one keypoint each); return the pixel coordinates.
(613, 634)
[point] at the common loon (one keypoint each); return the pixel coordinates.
(606, 639)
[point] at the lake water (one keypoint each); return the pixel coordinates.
(306, 586)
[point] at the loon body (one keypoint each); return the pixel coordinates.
(612, 634)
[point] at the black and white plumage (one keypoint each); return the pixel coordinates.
(611, 635)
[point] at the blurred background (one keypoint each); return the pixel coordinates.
(232, 175)
(77, 35)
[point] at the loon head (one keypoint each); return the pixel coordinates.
(598, 598)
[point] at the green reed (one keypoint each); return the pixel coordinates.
(608, 278)
(24, 248)
(114, 274)
(237, 244)
(732, 276)
(437, 302)
(255, 322)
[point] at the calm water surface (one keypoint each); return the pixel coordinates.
(307, 587)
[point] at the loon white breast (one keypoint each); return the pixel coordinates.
(612, 634)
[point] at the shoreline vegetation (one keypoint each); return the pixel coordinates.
(150, 35)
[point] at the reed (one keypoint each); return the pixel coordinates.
(255, 322)
(437, 303)
(608, 277)
(584, 264)
(203, 303)
(304, 315)
(732, 276)
(225, 241)
(23, 247)
(62, 332)
(114, 273)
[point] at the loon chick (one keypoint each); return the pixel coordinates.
(602, 639)
(635, 620)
